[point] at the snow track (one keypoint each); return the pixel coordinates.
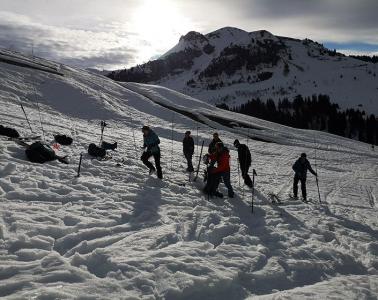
(116, 232)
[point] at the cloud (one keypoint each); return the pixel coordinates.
(323, 20)
(118, 33)
(84, 48)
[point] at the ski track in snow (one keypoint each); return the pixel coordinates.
(116, 232)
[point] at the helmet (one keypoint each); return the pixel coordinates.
(303, 155)
(236, 143)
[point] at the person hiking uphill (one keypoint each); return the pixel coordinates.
(215, 140)
(222, 157)
(188, 149)
(300, 168)
(245, 160)
(151, 148)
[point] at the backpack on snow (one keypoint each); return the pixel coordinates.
(39, 152)
(9, 132)
(95, 151)
(109, 146)
(63, 139)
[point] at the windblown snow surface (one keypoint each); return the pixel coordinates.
(118, 233)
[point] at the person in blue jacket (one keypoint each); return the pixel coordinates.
(300, 168)
(151, 148)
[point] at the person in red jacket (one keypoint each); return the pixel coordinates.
(222, 158)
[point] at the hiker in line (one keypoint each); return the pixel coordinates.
(244, 157)
(151, 148)
(300, 168)
(222, 158)
(215, 140)
(188, 149)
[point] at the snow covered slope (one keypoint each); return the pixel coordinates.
(232, 66)
(118, 233)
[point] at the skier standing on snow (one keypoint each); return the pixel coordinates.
(300, 168)
(245, 160)
(222, 157)
(151, 148)
(215, 140)
(188, 148)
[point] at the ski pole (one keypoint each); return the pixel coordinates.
(135, 147)
(317, 183)
(239, 171)
(173, 117)
(316, 170)
(39, 112)
(199, 162)
(26, 117)
(40, 121)
(245, 158)
(197, 139)
(79, 168)
(103, 124)
(253, 188)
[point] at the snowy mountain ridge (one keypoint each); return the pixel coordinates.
(232, 66)
(116, 232)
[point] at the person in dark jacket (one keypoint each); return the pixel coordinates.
(245, 160)
(188, 149)
(215, 140)
(151, 148)
(222, 157)
(300, 168)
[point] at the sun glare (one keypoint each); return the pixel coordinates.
(159, 24)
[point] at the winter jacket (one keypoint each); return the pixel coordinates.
(223, 161)
(244, 155)
(300, 169)
(151, 141)
(211, 149)
(188, 145)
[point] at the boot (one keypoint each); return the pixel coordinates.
(218, 194)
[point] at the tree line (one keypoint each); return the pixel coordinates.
(316, 112)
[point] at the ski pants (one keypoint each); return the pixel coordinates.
(146, 155)
(226, 177)
(212, 182)
(244, 172)
(303, 186)
(189, 162)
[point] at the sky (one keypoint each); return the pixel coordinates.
(113, 34)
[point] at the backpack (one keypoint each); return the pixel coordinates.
(63, 139)
(9, 132)
(109, 146)
(39, 152)
(95, 151)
